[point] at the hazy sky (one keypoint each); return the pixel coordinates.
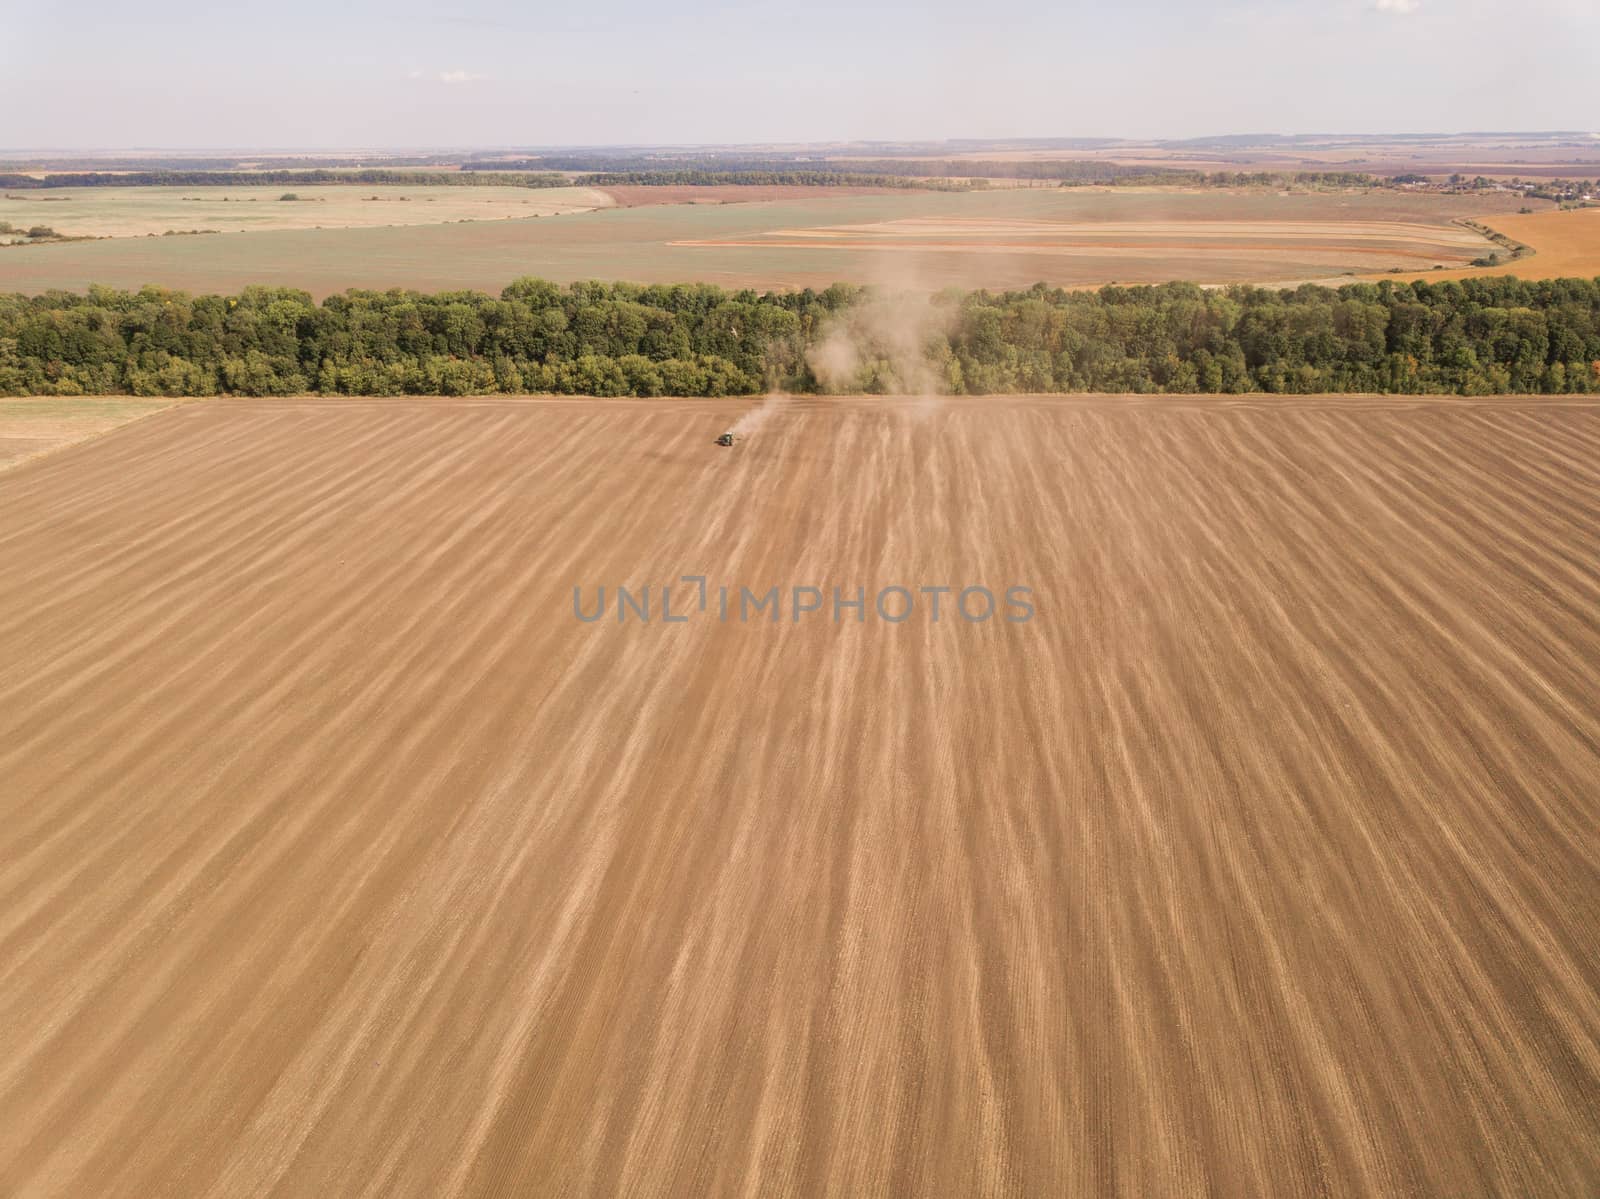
(400, 73)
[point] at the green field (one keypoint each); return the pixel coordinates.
(139, 211)
(983, 239)
(33, 426)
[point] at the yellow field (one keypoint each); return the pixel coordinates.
(1565, 244)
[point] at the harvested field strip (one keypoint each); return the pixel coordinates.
(32, 426)
(1151, 248)
(1347, 241)
(1182, 230)
(339, 857)
(1207, 244)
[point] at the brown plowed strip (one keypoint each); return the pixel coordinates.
(1131, 249)
(338, 858)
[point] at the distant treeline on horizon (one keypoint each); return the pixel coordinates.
(275, 178)
(1478, 336)
(1063, 171)
(376, 176)
(600, 171)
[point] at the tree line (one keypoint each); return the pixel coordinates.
(598, 171)
(797, 178)
(32, 232)
(1087, 172)
(1479, 336)
(371, 175)
(696, 177)
(235, 162)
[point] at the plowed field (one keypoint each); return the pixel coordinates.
(338, 857)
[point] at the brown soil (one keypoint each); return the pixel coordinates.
(339, 857)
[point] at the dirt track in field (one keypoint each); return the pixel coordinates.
(340, 858)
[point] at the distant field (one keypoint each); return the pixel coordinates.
(338, 857)
(1071, 237)
(1330, 243)
(642, 196)
(33, 426)
(135, 211)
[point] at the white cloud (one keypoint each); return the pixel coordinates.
(1398, 7)
(448, 76)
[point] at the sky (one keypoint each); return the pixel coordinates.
(96, 74)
